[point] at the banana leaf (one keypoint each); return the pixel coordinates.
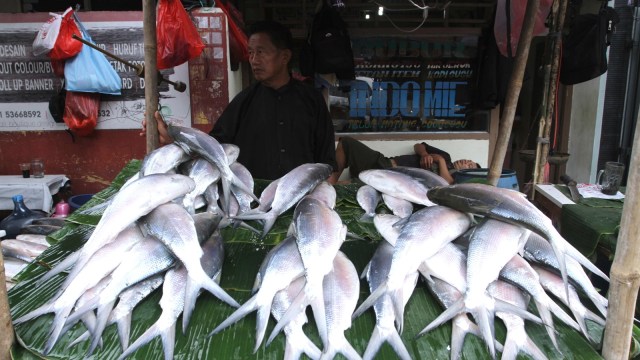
(244, 252)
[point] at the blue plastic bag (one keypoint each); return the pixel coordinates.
(90, 71)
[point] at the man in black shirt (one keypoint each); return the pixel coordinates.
(278, 122)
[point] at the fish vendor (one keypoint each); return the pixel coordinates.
(358, 157)
(278, 122)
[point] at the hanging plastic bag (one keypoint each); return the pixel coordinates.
(81, 112)
(177, 37)
(90, 71)
(48, 34)
(66, 46)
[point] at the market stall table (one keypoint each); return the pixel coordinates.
(37, 192)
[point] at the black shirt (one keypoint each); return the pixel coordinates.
(278, 130)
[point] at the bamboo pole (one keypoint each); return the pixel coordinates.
(513, 92)
(6, 328)
(151, 72)
(625, 271)
(544, 130)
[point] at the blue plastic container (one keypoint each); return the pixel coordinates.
(508, 179)
(76, 201)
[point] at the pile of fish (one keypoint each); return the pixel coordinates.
(19, 252)
(482, 250)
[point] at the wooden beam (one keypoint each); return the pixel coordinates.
(6, 327)
(151, 72)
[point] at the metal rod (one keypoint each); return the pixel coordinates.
(177, 85)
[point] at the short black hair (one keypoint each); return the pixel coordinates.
(280, 35)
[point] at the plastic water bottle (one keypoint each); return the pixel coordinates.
(20, 217)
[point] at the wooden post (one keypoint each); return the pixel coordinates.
(150, 72)
(6, 327)
(542, 144)
(625, 271)
(513, 92)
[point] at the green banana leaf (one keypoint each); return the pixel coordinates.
(244, 252)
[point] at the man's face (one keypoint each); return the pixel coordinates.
(464, 164)
(268, 63)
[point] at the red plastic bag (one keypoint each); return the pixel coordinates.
(238, 41)
(66, 46)
(81, 112)
(178, 38)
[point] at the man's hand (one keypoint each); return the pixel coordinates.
(163, 133)
(426, 161)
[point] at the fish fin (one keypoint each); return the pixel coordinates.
(226, 195)
(262, 320)
(373, 297)
(590, 315)
(557, 246)
(511, 348)
(58, 268)
(390, 335)
(562, 315)
(453, 310)
(235, 180)
(319, 311)
(190, 293)
(241, 312)
(397, 299)
(471, 328)
(366, 218)
(400, 223)
(43, 309)
(365, 271)
(124, 330)
(484, 318)
(84, 336)
(243, 224)
(510, 308)
(547, 320)
(349, 352)
(297, 344)
(56, 327)
(460, 328)
(577, 256)
(215, 289)
(101, 322)
(598, 300)
(297, 306)
(354, 236)
(153, 331)
(533, 350)
(168, 337)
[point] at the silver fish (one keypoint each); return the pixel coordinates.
(448, 264)
(102, 263)
(266, 196)
(540, 251)
(326, 193)
(377, 271)
(420, 238)
(162, 160)
(173, 298)
(280, 267)
(232, 151)
(297, 342)
(341, 288)
(38, 239)
(128, 205)
(319, 234)
(368, 199)
(553, 283)
(517, 338)
(510, 206)
(291, 188)
(244, 200)
(203, 174)
(396, 184)
(518, 272)
(23, 250)
(384, 224)
(427, 178)
(12, 267)
(194, 141)
(400, 207)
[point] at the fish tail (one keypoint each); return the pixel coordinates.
(168, 337)
(319, 311)
(303, 344)
(101, 322)
(590, 315)
(547, 320)
(533, 350)
(293, 351)
(328, 354)
(390, 335)
(124, 329)
(215, 289)
(347, 350)
(57, 325)
(469, 328)
(226, 194)
(235, 180)
(84, 336)
(562, 315)
(577, 256)
(366, 218)
(397, 299)
(459, 332)
(504, 306)
(511, 348)
(241, 312)
(453, 310)
(598, 300)
(484, 319)
(58, 268)
(44, 309)
(262, 319)
(153, 331)
(365, 271)
(368, 302)
(297, 306)
(190, 295)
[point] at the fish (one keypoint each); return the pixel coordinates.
(297, 341)
(493, 243)
(540, 251)
(173, 298)
(35, 238)
(291, 188)
(39, 229)
(551, 282)
(384, 224)
(101, 264)
(518, 272)
(448, 295)
(368, 199)
(280, 267)
(244, 200)
(194, 141)
(163, 159)
(326, 193)
(266, 197)
(420, 238)
(232, 151)
(129, 204)
(400, 207)
(517, 339)
(23, 250)
(513, 207)
(172, 224)
(384, 330)
(12, 267)
(319, 233)
(341, 288)
(396, 184)
(203, 174)
(448, 264)
(427, 178)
